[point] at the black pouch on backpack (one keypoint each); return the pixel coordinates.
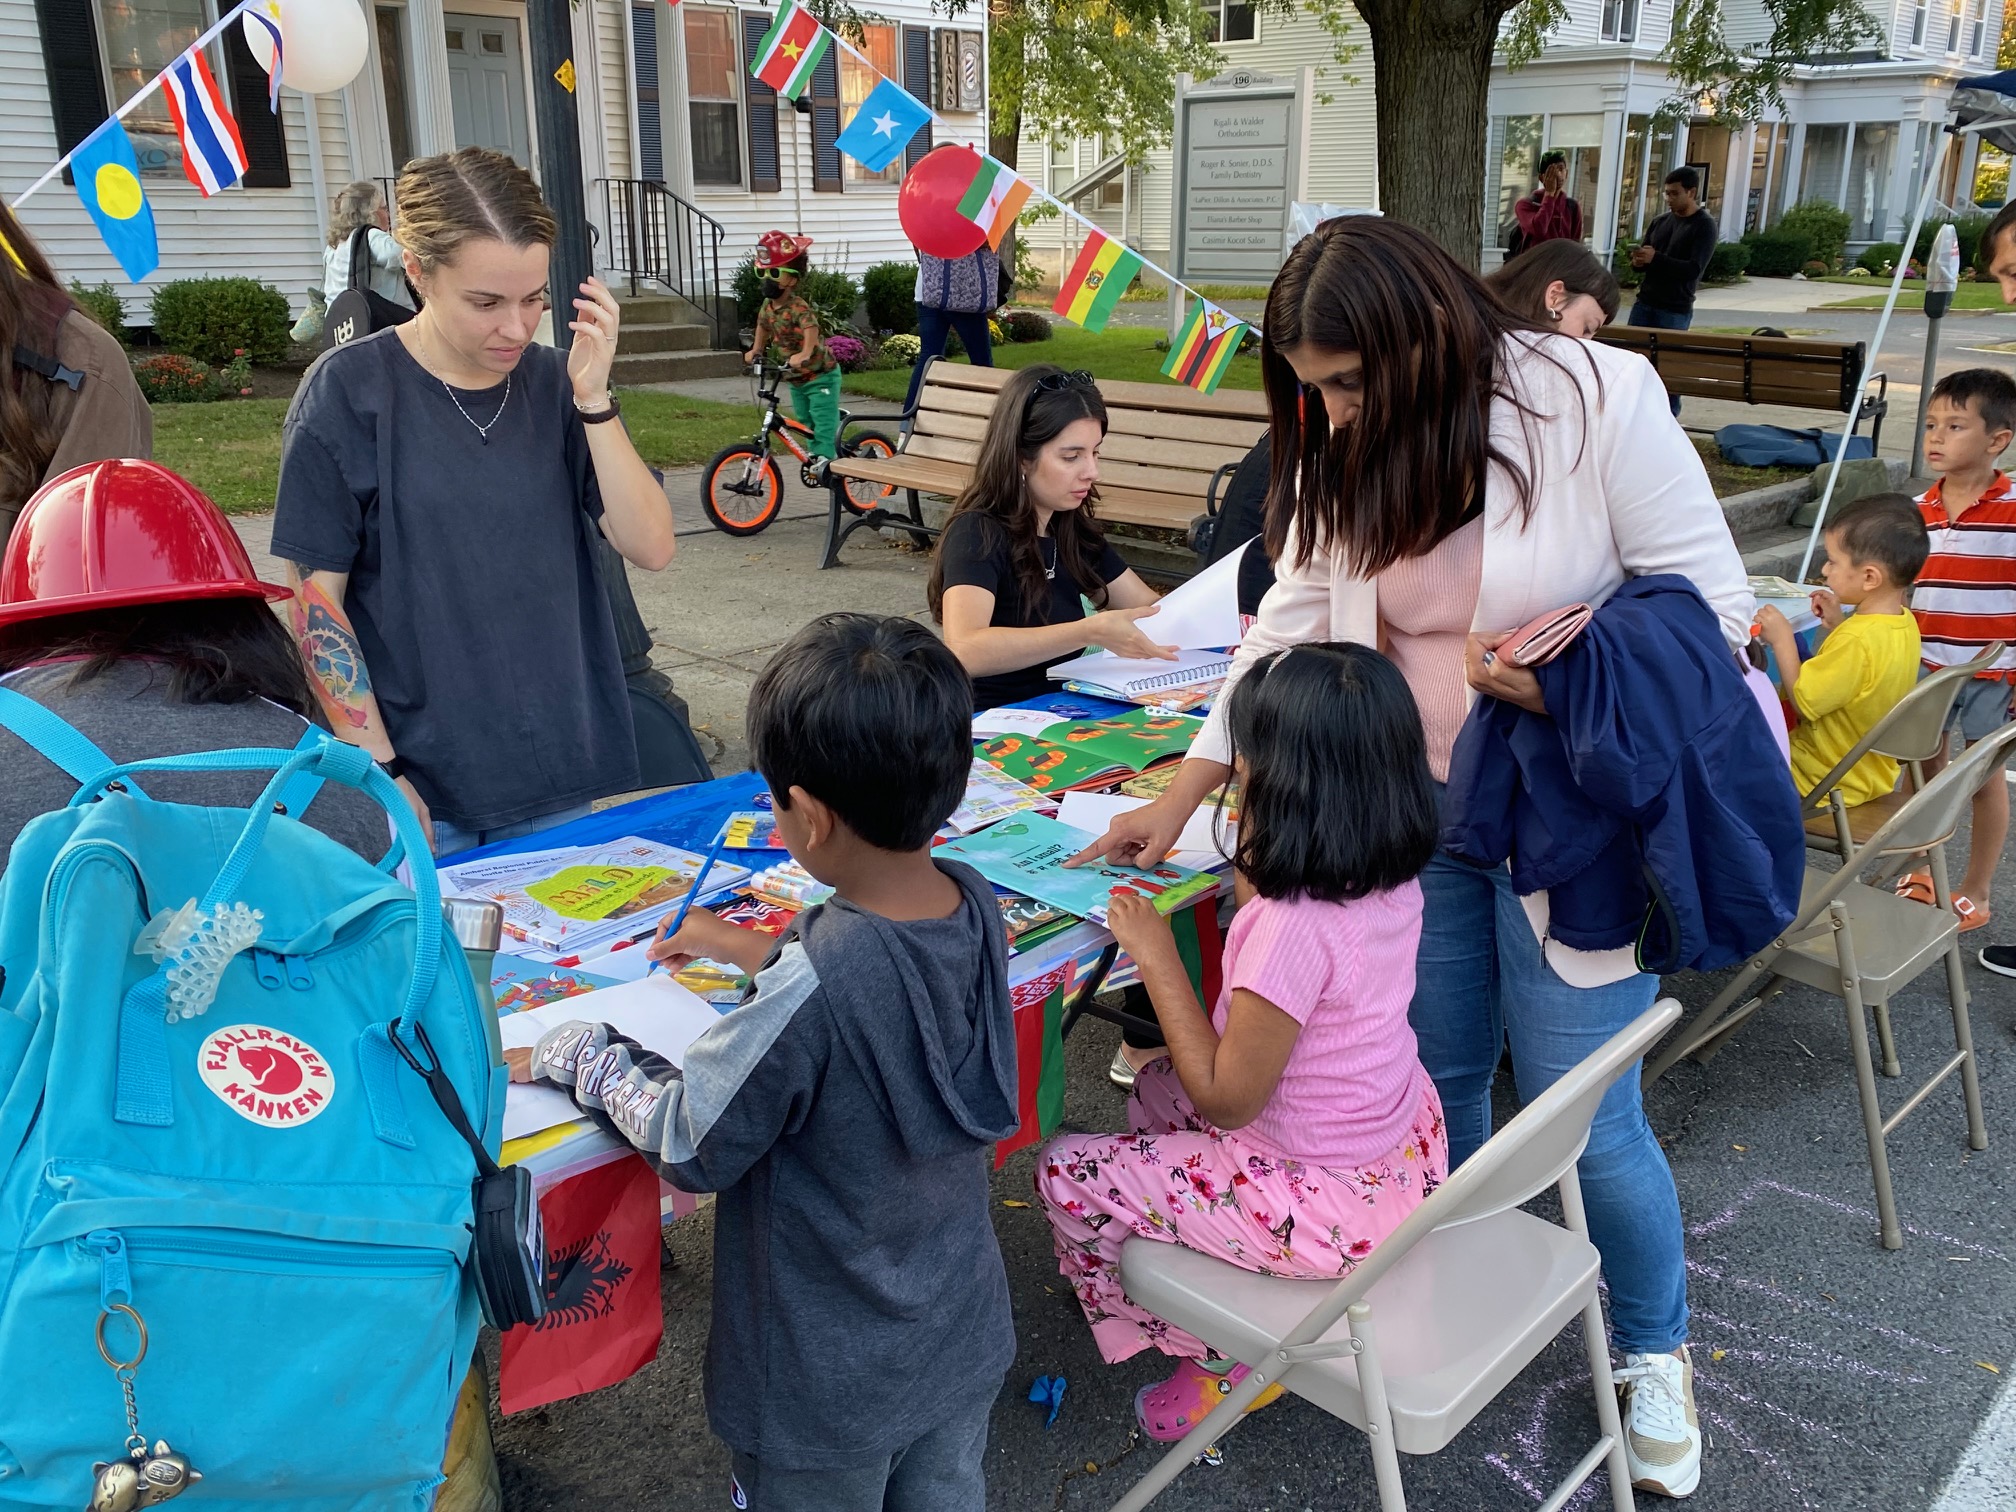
(509, 1245)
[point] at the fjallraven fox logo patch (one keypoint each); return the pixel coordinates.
(265, 1074)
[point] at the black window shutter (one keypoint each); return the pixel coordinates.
(650, 131)
(70, 58)
(761, 108)
(917, 79)
(265, 143)
(825, 93)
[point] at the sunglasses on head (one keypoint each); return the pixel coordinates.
(1051, 383)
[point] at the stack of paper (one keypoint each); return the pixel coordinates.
(578, 901)
(1199, 620)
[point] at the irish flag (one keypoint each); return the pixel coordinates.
(994, 199)
(1203, 350)
(1096, 281)
(790, 51)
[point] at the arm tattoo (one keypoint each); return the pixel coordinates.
(330, 649)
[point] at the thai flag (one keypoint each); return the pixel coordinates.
(213, 154)
(267, 15)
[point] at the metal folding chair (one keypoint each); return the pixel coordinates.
(1912, 733)
(1865, 945)
(1441, 1316)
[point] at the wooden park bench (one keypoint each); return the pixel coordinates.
(1169, 451)
(1783, 370)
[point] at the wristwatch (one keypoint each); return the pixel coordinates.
(393, 767)
(598, 417)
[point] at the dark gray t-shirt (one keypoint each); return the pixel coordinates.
(473, 590)
(127, 714)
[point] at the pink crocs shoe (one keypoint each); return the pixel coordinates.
(1170, 1410)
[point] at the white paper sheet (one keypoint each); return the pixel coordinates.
(656, 1012)
(1195, 846)
(1014, 721)
(1202, 612)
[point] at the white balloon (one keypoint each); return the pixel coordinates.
(326, 43)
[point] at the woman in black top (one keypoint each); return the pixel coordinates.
(1023, 547)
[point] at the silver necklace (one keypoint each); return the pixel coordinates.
(481, 430)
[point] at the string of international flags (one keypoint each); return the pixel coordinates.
(788, 57)
(106, 172)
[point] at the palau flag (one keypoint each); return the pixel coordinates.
(108, 181)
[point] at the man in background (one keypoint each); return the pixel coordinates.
(1547, 214)
(1673, 256)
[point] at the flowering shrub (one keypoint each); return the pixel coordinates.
(171, 378)
(851, 352)
(994, 332)
(1026, 325)
(902, 348)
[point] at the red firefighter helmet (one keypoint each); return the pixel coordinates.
(776, 248)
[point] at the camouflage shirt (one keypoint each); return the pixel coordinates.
(789, 320)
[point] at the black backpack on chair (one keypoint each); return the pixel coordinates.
(359, 310)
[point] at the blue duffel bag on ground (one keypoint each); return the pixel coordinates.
(260, 1177)
(1781, 446)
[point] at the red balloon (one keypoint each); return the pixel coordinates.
(928, 203)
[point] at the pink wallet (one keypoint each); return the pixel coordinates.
(1541, 639)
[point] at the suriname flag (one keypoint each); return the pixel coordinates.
(1039, 1022)
(1096, 281)
(1204, 349)
(790, 51)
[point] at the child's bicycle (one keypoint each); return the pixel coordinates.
(744, 488)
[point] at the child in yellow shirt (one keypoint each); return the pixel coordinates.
(1869, 660)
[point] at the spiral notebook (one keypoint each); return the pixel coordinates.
(1127, 677)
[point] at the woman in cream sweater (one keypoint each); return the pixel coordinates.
(1443, 471)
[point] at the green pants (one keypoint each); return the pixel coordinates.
(816, 402)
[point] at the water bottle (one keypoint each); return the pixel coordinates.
(478, 926)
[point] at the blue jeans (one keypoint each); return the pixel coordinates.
(931, 328)
(449, 838)
(1480, 978)
(1643, 314)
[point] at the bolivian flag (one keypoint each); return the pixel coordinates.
(1096, 281)
(1202, 352)
(790, 51)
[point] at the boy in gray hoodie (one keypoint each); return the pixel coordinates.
(844, 1110)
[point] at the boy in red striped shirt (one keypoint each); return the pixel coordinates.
(1966, 595)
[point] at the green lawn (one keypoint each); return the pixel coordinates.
(1986, 295)
(231, 449)
(1117, 352)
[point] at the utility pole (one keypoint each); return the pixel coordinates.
(550, 28)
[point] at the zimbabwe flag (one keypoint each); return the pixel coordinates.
(1039, 1023)
(790, 51)
(1096, 281)
(1203, 350)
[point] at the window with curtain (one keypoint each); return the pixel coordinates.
(1821, 168)
(857, 82)
(1620, 20)
(1918, 18)
(142, 37)
(1977, 26)
(713, 94)
(1953, 18)
(1230, 20)
(1869, 181)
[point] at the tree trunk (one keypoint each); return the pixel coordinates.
(1004, 144)
(1431, 65)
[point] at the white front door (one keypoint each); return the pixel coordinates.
(486, 82)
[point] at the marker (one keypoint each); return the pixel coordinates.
(693, 892)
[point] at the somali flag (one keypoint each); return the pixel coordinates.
(883, 126)
(108, 181)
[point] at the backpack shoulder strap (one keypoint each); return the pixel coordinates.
(61, 743)
(302, 787)
(360, 258)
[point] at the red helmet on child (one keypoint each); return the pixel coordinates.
(777, 249)
(108, 535)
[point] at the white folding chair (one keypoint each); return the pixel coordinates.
(1454, 1304)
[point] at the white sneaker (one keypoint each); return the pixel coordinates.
(1662, 1431)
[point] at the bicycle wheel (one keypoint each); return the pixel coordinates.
(860, 494)
(742, 490)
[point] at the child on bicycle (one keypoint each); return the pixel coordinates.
(792, 324)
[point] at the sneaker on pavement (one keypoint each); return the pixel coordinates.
(1662, 1432)
(2000, 959)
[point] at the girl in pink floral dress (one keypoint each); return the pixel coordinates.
(1292, 1128)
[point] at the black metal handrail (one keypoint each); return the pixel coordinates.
(656, 236)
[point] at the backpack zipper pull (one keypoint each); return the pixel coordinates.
(299, 977)
(115, 1278)
(266, 965)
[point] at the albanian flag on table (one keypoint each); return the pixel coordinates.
(603, 1314)
(1039, 1023)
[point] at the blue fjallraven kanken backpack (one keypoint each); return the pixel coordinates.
(265, 1183)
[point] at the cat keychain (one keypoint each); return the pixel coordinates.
(146, 1477)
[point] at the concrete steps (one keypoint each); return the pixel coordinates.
(669, 367)
(665, 339)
